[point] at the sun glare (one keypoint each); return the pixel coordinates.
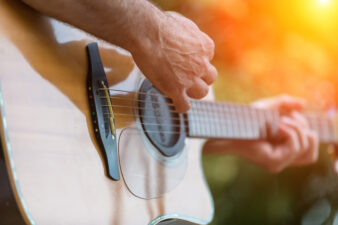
(324, 2)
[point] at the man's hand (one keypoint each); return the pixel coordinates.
(298, 144)
(168, 48)
(177, 60)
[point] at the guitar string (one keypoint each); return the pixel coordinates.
(221, 125)
(165, 124)
(167, 98)
(234, 108)
(215, 127)
(228, 133)
(234, 105)
(212, 103)
(223, 136)
(232, 134)
(175, 118)
(211, 110)
(197, 105)
(131, 115)
(272, 119)
(228, 109)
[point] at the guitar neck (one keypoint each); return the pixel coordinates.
(236, 121)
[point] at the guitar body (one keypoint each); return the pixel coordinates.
(54, 166)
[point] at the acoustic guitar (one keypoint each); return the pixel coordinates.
(87, 139)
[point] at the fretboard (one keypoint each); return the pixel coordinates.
(237, 121)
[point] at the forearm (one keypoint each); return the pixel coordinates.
(121, 22)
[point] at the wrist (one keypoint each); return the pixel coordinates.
(143, 36)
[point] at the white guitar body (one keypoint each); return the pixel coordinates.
(56, 169)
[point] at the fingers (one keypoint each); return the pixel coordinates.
(198, 90)
(283, 103)
(299, 127)
(210, 75)
(311, 154)
(181, 102)
(209, 46)
(300, 145)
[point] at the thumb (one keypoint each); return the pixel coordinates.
(181, 103)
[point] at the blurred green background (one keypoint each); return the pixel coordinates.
(264, 48)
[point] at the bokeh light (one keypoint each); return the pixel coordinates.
(264, 48)
(324, 2)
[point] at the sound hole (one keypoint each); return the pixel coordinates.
(161, 123)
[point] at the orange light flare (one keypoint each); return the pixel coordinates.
(321, 13)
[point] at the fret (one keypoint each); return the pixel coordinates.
(208, 114)
(251, 127)
(234, 124)
(231, 127)
(246, 129)
(261, 124)
(243, 127)
(236, 121)
(255, 122)
(220, 129)
(191, 118)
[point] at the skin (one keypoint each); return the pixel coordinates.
(297, 144)
(174, 54)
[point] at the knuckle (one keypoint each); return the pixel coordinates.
(211, 43)
(211, 75)
(204, 90)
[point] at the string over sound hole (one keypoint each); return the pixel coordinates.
(163, 126)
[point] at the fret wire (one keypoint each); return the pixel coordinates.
(201, 124)
(227, 128)
(241, 116)
(262, 126)
(220, 128)
(237, 111)
(209, 128)
(323, 127)
(249, 127)
(255, 118)
(214, 123)
(199, 128)
(204, 120)
(193, 126)
(231, 127)
(253, 126)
